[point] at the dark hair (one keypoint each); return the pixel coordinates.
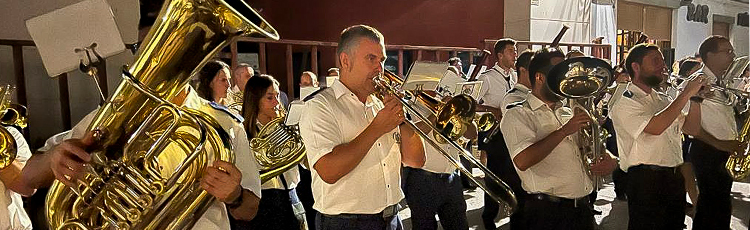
(687, 65)
(636, 55)
(255, 89)
(523, 60)
(206, 76)
(454, 60)
(350, 37)
(711, 44)
(542, 62)
(502, 43)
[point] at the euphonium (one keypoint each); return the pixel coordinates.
(581, 80)
(10, 115)
(150, 154)
(277, 147)
(738, 164)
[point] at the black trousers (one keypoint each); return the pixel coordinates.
(500, 163)
(304, 192)
(274, 212)
(545, 214)
(714, 208)
(429, 193)
(656, 198)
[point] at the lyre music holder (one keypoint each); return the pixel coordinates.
(91, 66)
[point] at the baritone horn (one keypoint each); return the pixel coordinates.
(150, 154)
(452, 118)
(581, 80)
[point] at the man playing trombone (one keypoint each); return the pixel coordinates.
(353, 144)
(538, 132)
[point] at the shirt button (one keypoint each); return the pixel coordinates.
(387, 186)
(378, 144)
(383, 164)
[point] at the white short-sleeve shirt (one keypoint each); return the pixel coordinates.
(216, 216)
(631, 109)
(517, 94)
(716, 118)
(336, 116)
(496, 82)
(561, 173)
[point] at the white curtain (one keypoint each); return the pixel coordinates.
(603, 24)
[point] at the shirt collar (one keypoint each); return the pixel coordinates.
(502, 71)
(709, 74)
(536, 103)
(523, 88)
(340, 89)
(637, 91)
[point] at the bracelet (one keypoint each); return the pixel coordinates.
(237, 201)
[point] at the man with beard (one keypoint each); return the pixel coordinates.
(356, 143)
(710, 150)
(649, 128)
(540, 136)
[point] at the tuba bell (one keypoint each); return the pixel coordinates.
(150, 154)
(581, 80)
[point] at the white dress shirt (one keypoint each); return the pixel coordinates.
(216, 216)
(496, 82)
(716, 118)
(561, 173)
(631, 109)
(336, 116)
(12, 214)
(435, 161)
(518, 93)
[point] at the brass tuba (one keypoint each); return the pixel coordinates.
(10, 115)
(452, 118)
(581, 80)
(277, 147)
(150, 154)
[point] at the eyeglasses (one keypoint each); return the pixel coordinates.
(728, 51)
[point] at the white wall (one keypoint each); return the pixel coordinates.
(687, 36)
(549, 16)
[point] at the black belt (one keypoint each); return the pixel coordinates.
(577, 202)
(654, 168)
(387, 213)
(431, 174)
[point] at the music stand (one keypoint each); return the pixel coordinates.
(58, 34)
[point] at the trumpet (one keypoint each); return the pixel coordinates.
(452, 118)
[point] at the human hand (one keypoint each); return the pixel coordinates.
(604, 165)
(68, 159)
(579, 120)
(222, 180)
(389, 117)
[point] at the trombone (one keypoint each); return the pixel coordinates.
(458, 112)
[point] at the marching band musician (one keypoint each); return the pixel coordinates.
(649, 129)
(213, 82)
(496, 82)
(279, 207)
(12, 187)
(716, 141)
(538, 134)
(236, 188)
(353, 144)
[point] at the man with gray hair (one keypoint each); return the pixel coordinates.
(356, 143)
(241, 74)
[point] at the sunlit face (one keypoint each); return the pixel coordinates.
(652, 71)
(366, 62)
(269, 103)
(723, 56)
(307, 81)
(242, 76)
(220, 84)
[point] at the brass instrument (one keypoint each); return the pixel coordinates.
(236, 99)
(458, 112)
(278, 147)
(10, 115)
(581, 80)
(738, 164)
(150, 154)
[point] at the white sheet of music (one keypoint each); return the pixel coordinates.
(58, 33)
